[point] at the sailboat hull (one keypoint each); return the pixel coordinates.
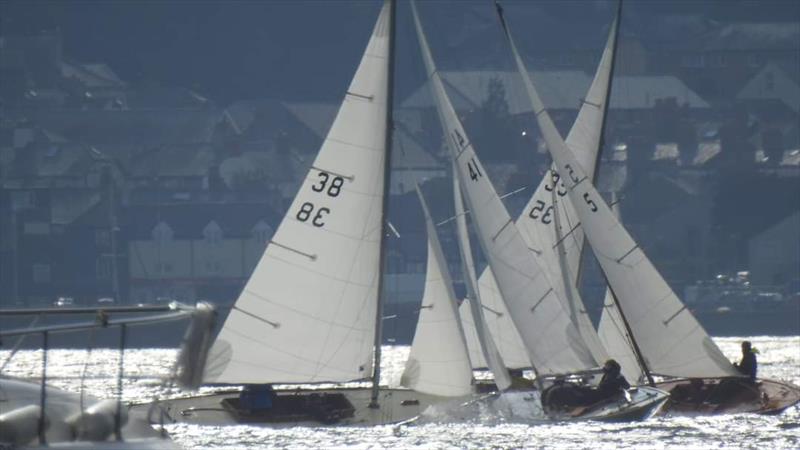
(727, 395)
(351, 408)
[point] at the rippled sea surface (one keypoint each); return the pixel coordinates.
(95, 371)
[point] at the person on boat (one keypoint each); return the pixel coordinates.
(613, 382)
(257, 397)
(748, 365)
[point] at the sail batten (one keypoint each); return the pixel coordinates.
(322, 266)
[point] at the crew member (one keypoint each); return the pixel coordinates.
(748, 365)
(613, 381)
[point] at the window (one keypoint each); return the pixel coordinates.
(162, 232)
(104, 267)
(163, 268)
(41, 273)
(23, 200)
(212, 233)
(102, 238)
(262, 232)
(693, 60)
(717, 60)
(213, 267)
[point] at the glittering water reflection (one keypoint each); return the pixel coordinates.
(779, 358)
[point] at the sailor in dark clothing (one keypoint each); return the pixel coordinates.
(748, 365)
(613, 381)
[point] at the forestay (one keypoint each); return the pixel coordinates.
(554, 344)
(483, 348)
(613, 333)
(438, 362)
(307, 313)
(670, 338)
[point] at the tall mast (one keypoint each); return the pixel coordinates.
(601, 142)
(636, 350)
(387, 169)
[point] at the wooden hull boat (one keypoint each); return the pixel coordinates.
(695, 396)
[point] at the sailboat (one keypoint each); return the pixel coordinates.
(38, 415)
(438, 362)
(554, 344)
(666, 339)
(549, 224)
(311, 311)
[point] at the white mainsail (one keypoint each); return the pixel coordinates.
(438, 362)
(486, 348)
(613, 333)
(307, 313)
(554, 344)
(672, 341)
(549, 222)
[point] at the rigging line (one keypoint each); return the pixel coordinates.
(558, 242)
(18, 344)
(467, 211)
(347, 177)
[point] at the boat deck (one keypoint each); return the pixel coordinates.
(303, 407)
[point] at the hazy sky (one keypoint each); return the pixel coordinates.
(249, 49)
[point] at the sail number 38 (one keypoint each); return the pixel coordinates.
(330, 185)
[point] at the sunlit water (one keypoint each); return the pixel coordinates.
(779, 359)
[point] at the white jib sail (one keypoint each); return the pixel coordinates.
(672, 341)
(307, 313)
(549, 222)
(438, 362)
(612, 332)
(554, 344)
(486, 346)
(502, 329)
